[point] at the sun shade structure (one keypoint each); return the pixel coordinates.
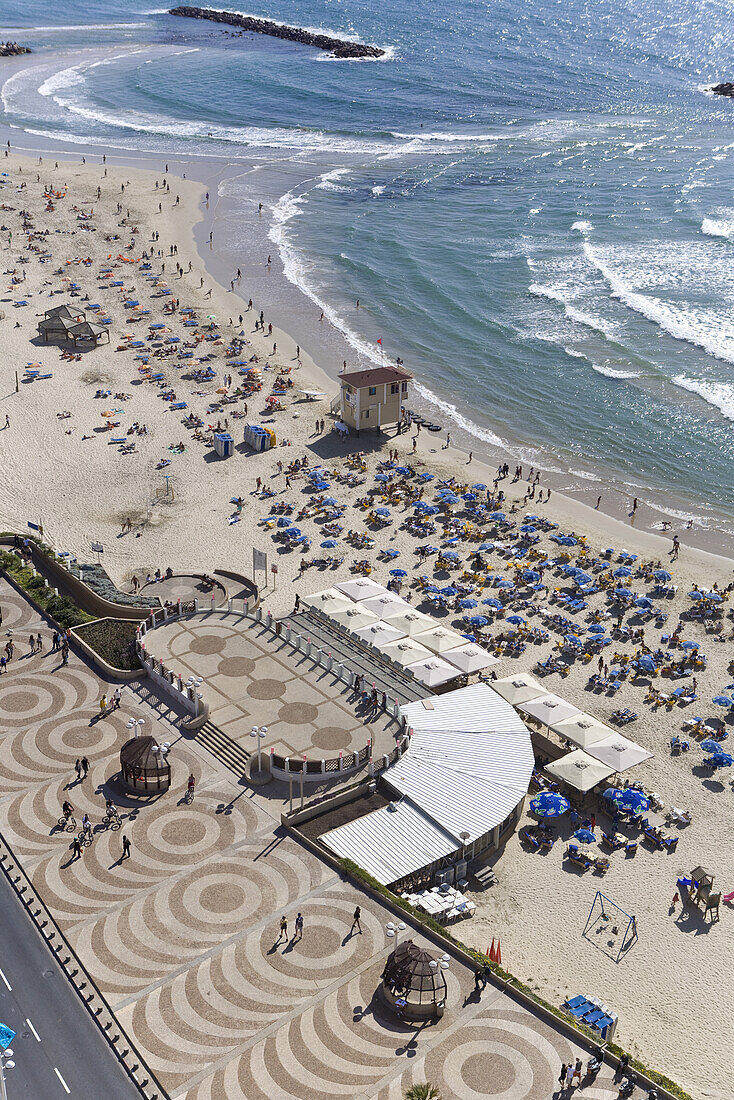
(328, 601)
(618, 753)
(361, 588)
(406, 651)
(548, 709)
(468, 657)
(433, 671)
(410, 622)
(439, 639)
(582, 729)
(384, 603)
(520, 688)
(378, 633)
(67, 323)
(579, 770)
(353, 617)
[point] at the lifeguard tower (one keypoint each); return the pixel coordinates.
(373, 398)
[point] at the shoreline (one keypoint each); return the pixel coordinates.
(715, 546)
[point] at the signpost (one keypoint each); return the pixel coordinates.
(98, 549)
(274, 571)
(260, 561)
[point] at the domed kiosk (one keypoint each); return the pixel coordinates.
(144, 766)
(413, 983)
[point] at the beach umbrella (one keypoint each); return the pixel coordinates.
(392, 553)
(662, 575)
(382, 511)
(585, 836)
(404, 470)
(596, 628)
(505, 584)
(478, 620)
(528, 528)
(710, 745)
(646, 663)
(643, 602)
(572, 640)
(283, 521)
(550, 804)
(497, 515)
(623, 593)
(487, 546)
(623, 571)
(721, 760)
(381, 477)
(530, 575)
(452, 542)
(449, 590)
(516, 620)
(398, 573)
(722, 700)
(319, 486)
(492, 602)
(431, 588)
(330, 501)
(479, 486)
(469, 496)
(293, 532)
(696, 595)
(329, 544)
(303, 538)
(451, 555)
(715, 596)
(634, 802)
(689, 645)
(468, 603)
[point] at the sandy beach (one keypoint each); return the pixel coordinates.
(68, 473)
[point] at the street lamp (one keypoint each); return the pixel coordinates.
(260, 732)
(195, 682)
(394, 930)
(135, 724)
(6, 1062)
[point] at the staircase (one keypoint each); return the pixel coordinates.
(223, 748)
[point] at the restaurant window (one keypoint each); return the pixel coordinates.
(372, 391)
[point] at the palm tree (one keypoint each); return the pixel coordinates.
(423, 1092)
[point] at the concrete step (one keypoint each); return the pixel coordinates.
(223, 748)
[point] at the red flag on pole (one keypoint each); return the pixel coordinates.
(380, 340)
(498, 953)
(492, 953)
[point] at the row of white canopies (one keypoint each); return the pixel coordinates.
(434, 654)
(601, 750)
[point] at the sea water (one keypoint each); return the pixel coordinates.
(532, 202)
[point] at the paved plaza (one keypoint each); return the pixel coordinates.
(182, 937)
(253, 679)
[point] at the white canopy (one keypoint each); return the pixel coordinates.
(519, 688)
(579, 770)
(438, 639)
(383, 603)
(379, 633)
(328, 601)
(468, 657)
(433, 671)
(361, 588)
(409, 621)
(406, 651)
(548, 709)
(582, 729)
(618, 753)
(352, 617)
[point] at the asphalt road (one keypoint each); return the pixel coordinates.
(58, 1050)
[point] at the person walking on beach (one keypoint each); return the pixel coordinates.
(355, 921)
(447, 444)
(676, 548)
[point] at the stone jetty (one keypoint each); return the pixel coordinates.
(723, 89)
(11, 49)
(338, 47)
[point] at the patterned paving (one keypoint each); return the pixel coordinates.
(252, 680)
(182, 937)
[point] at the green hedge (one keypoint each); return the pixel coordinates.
(360, 875)
(61, 608)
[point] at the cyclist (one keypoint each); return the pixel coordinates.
(86, 824)
(110, 808)
(191, 786)
(68, 809)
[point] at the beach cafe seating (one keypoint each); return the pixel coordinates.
(677, 745)
(579, 856)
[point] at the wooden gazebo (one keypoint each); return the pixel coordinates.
(144, 766)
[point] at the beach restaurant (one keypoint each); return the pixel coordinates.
(456, 792)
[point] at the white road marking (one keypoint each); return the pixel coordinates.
(61, 1079)
(30, 1025)
(6, 981)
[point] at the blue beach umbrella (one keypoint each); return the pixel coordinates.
(646, 663)
(689, 645)
(634, 801)
(382, 511)
(696, 595)
(505, 584)
(449, 590)
(715, 596)
(479, 486)
(487, 546)
(585, 836)
(497, 515)
(550, 804)
(530, 575)
(330, 501)
(492, 602)
(572, 640)
(293, 532)
(596, 628)
(381, 477)
(710, 745)
(516, 620)
(722, 700)
(467, 603)
(451, 555)
(662, 575)
(283, 521)
(478, 620)
(624, 593)
(721, 760)
(392, 553)
(329, 544)
(398, 573)
(623, 571)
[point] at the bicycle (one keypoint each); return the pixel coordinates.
(68, 824)
(112, 820)
(189, 796)
(85, 836)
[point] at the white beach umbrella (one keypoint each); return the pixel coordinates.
(438, 639)
(432, 671)
(580, 770)
(361, 588)
(379, 634)
(409, 621)
(618, 753)
(406, 651)
(520, 688)
(353, 617)
(582, 729)
(549, 709)
(384, 603)
(468, 657)
(328, 601)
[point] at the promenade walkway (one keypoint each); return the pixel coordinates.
(182, 936)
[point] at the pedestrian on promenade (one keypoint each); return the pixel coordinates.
(562, 1076)
(125, 848)
(283, 933)
(577, 1072)
(78, 769)
(299, 927)
(85, 767)
(3, 663)
(355, 921)
(76, 848)
(117, 696)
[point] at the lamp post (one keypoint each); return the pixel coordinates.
(135, 724)
(259, 732)
(392, 931)
(6, 1062)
